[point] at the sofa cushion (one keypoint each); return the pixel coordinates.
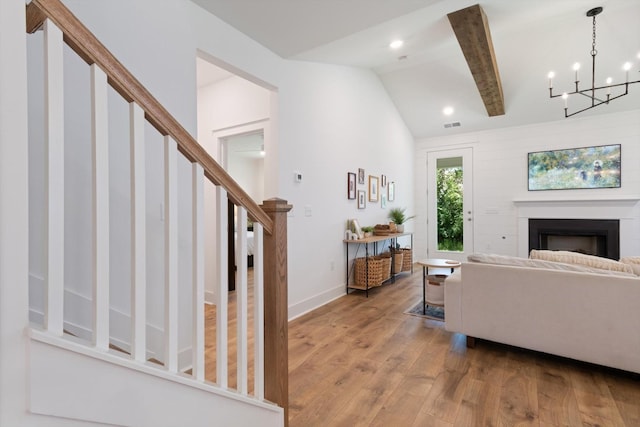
(634, 262)
(539, 263)
(568, 257)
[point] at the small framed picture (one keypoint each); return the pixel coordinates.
(383, 200)
(361, 176)
(362, 199)
(383, 181)
(391, 191)
(373, 188)
(351, 185)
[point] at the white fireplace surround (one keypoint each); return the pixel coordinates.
(625, 209)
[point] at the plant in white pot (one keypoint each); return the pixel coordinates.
(398, 217)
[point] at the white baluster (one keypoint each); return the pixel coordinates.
(258, 309)
(100, 196)
(241, 299)
(138, 234)
(198, 271)
(171, 255)
(222, 291)
(54, 176)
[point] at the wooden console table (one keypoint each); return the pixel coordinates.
(374, 240)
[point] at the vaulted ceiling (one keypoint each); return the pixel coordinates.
(429, 72)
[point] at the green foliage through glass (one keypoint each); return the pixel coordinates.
(449, 203)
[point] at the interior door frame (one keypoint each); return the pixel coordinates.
(466, 152)
(222, 137)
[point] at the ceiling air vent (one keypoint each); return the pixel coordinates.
(452, 125)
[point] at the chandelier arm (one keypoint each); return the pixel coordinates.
(566, 115)
(595, 101)
(551, 95)
(592, 97)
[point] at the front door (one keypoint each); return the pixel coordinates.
(449, 204)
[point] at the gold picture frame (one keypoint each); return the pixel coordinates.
(374, 188)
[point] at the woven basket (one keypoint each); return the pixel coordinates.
(375, 271)
(407, 259)
(386, 265)
(398, 258)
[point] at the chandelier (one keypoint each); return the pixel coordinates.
(603, 92)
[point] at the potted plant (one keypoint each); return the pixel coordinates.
(368, 231)
(398, 217)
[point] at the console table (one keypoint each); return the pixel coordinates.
(373, 240)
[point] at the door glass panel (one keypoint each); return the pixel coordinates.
(450, 204)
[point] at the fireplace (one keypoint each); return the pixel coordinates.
(599, 237)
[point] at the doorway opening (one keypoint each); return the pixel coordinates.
(234, 127)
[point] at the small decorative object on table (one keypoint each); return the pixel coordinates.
(367, 230)
(398, 217)
(382, 230)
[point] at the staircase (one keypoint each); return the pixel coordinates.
(118, 282)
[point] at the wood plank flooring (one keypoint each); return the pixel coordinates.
(361, 362)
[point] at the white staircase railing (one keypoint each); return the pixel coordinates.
(60, 27)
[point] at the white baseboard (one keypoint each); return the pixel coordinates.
(209, 297)
(298, 309)
(120, 323)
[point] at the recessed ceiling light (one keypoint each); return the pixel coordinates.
(396, 44)
(447, 111)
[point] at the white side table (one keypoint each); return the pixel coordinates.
(436, 266)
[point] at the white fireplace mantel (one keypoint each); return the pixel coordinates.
(623, 208)
(622, 200)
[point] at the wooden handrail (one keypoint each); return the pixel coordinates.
(89, 48)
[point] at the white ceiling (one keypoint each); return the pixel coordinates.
(530, 38)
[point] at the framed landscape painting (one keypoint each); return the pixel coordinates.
(575, 168)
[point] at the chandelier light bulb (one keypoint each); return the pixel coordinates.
(565, 96)
(551, 75)
(626, 67)
(447, 111)
(576, 67)
(609, 81)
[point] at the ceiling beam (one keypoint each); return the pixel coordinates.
(472, 30)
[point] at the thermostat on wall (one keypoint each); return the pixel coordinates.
(297, 177)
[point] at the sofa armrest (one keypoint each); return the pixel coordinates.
(453, 301)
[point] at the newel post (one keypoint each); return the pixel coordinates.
(276, 331)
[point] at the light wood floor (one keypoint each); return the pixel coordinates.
(361, 362)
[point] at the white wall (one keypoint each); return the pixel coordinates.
(248, 172)
(334, 120)
(14, 206)
(329, 120)
(225, 108)
(500, 175)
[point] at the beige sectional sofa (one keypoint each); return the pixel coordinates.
(568, 309)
